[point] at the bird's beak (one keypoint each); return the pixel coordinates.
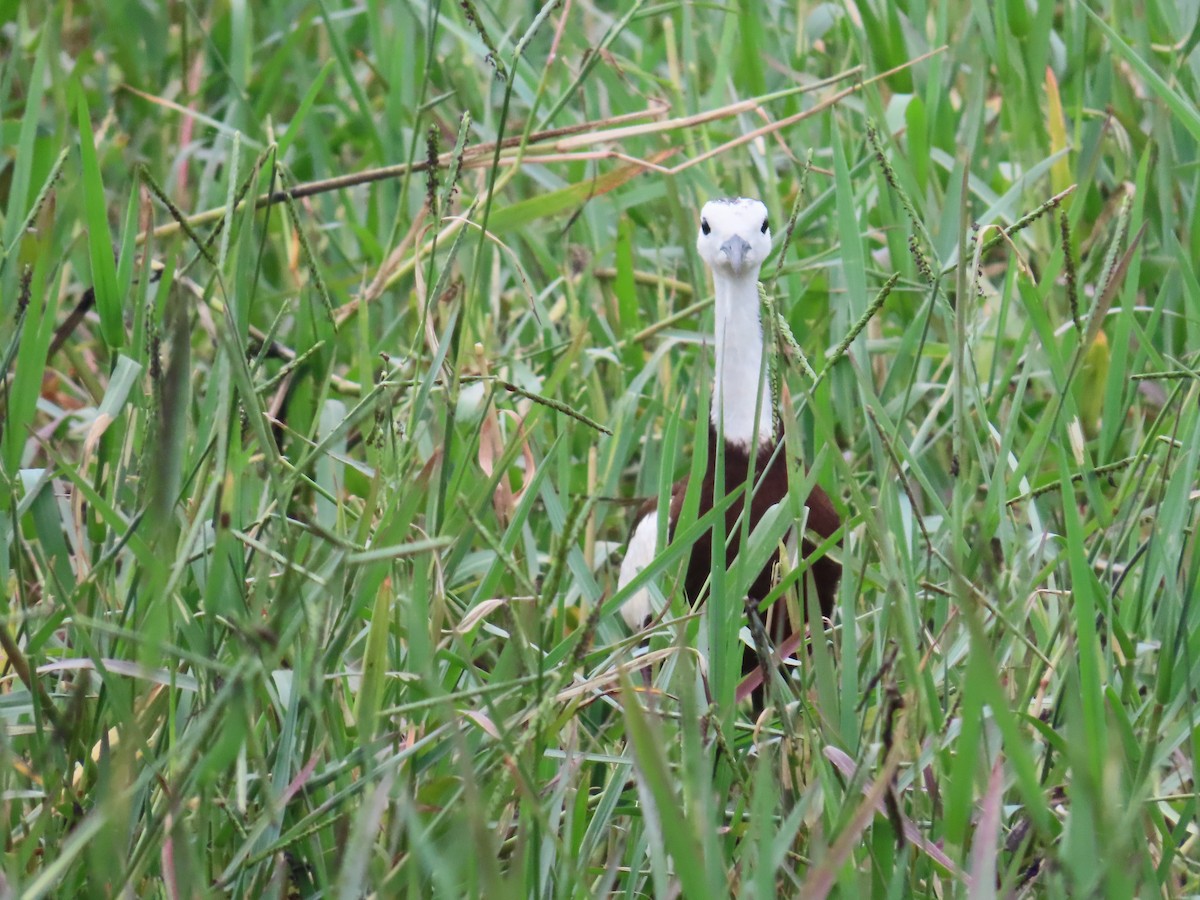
(735, 250)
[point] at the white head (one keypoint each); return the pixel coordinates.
(734, 240)
(734, 237)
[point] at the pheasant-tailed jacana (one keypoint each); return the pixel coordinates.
(733, 240)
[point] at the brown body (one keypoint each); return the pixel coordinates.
(772, 488)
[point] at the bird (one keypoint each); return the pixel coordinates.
(733, 240)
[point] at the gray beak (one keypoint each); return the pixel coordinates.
(735, 250)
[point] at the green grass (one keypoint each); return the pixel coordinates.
(311, 511)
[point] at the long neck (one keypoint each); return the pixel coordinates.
(739, 376)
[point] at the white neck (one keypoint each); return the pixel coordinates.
(739, 378)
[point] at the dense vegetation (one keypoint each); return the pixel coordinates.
(310, 509)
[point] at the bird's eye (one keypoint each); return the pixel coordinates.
(704, 227)
(764, 228)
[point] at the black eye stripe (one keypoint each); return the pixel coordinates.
(704, 226)
(764, 227)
